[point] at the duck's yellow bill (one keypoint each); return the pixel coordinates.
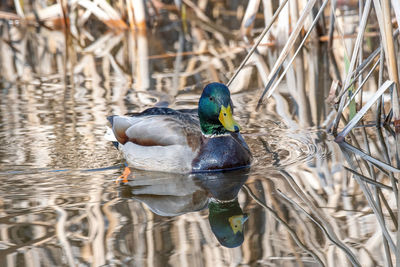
(225, 117)
(237, 222)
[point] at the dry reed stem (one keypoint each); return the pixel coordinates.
(353, 122)
(260, 38)
(371, 201)
(289, 64)
(285, 51)
(361, 30)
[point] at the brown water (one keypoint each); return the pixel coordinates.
(60, 205)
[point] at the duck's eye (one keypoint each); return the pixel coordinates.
(211, 98)
(224, 114)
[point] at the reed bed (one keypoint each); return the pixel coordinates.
(330, 65)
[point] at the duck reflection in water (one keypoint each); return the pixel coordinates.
(169, 194)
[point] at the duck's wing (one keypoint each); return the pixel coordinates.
(159, 139)
(158, 127)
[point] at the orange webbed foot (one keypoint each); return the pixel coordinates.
(124, 176)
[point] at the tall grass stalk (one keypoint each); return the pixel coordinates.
(259, 39)
(289, 64)
(363, 24)
(289, 44)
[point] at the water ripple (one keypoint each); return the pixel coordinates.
(284, 148)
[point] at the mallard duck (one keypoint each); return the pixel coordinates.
(185, 140)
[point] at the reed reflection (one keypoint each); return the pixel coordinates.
(168, 194)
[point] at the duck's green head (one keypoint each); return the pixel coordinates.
(215, 110)
(227, 222)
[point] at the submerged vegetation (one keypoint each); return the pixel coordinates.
(326, 65)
